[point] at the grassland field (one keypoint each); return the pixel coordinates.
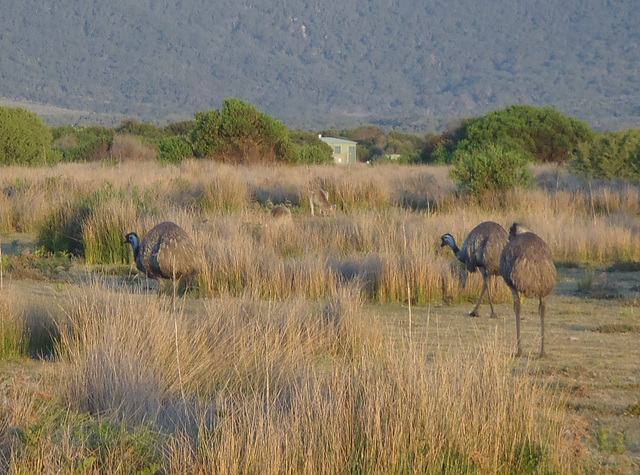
(324, 345)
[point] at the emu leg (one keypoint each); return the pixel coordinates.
(541, 311)
(487, 283)
(474, 312)
(516, 308)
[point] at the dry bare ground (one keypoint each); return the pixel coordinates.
(338, 331)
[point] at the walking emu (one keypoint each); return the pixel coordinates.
(166, 252)
(527, 267)
(481, 251)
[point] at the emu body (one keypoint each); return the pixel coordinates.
(166, 252)
(281, 214)
(481, 251)
(526, 264)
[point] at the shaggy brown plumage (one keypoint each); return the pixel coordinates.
(166, 252)
(481, 251)
(281, 214)
(527, 267)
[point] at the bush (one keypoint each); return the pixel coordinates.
(491, 168)
(609, 155)
(315, 154)
(25, 139)
(88, 144)
(133, 127)
(239, 133)
(174, 150)
(541, 133)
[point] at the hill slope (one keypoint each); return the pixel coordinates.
(411, 64)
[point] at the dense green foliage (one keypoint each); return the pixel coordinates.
(542, 134)
(539, 134)
(24, 139)
(409, 65)
(85, 144)
(491, 168)
(140, 129)
(240, 133)
(610, 155)
(174, 150)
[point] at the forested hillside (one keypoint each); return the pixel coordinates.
(413, 65)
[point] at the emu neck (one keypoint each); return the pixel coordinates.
(135, 244)
(454, 247)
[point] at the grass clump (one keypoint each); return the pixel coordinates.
(13, 335)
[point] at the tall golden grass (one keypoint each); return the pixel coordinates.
(243, 385)
(277, 372)
(386, 235)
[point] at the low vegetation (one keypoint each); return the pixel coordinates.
(272, 363)
(277, 366)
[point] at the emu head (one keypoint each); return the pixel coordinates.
(517, 229)
(447, 240)
(133, 239)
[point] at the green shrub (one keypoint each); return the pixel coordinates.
(174, 150)
(239, 133)
(25, 139)
(314, 154)
(87, 144)
(609, 155)
(140, 129)
(491, 168)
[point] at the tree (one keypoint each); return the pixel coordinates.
(25, 139)
(543, 134)
(239, 133)
(490, 168)
(540, 134)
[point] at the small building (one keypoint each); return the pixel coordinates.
(344, 151)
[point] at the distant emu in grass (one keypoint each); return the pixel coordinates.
(528, 269)
(281, 214)
(481, 251)
(166, 252)
(320, 199)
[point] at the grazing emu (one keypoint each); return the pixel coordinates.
(320, 199)
(481, 251)
(281, 214)
(166, 252)
(527, 267)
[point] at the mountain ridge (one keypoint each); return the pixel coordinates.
(398, 64)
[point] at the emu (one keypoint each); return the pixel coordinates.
(281, 214)
(166, 252)
(526, 264)
(320, 199)
(481, 251)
